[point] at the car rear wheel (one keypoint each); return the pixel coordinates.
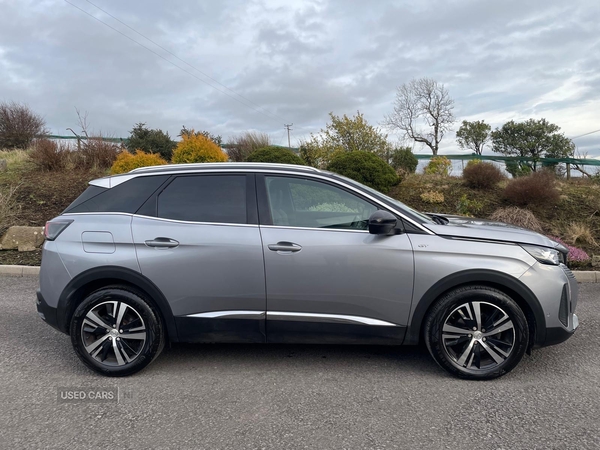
(476, 332)
(116, 332)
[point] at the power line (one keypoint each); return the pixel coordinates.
(175, 56)
(585, 134)
(171, 62)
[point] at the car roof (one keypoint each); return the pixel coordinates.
(108, 182)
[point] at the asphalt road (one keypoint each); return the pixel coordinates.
(276, 397)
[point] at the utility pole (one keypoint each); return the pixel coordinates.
(287, 127)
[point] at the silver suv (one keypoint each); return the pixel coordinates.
(271, 253)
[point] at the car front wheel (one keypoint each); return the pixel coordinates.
(476, 332)
(116, 332)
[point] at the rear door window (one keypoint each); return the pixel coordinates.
(205, 198)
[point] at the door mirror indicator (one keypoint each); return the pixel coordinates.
(382, 222)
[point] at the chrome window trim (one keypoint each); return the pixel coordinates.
(220, 224)
(274, 171)
(336, 318)
(346, 230)
(228, 314)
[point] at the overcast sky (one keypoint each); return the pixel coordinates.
(295, 61)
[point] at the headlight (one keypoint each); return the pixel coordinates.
(543, 254)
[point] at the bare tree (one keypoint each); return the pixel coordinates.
(422, 112)
(579, 154)
(240, 147)
(19, 125)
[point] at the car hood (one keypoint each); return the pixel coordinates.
(469, 227)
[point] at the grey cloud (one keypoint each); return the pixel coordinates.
(299, 60)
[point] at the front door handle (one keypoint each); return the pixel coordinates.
(285, 247)
(162, 242)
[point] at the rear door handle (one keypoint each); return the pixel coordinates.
(285, 247)
(162, 242)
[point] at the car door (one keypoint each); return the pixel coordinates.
(198, 241)
(327, 278)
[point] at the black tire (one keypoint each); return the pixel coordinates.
(136, 347)
(489, 355)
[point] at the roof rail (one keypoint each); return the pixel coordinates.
(170, 167)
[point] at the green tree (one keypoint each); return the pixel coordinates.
(403, 158)
(533, 139)
(422, 112)
(366, 168)
(345, 134)
(150, 141)
(275, 154)
(473, 135)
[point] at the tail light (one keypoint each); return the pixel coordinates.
(54, 227)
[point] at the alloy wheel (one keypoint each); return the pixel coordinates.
(113, 333)
(478, 336)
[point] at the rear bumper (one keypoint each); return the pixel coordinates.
(47, 313)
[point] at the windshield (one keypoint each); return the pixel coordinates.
(423, 218)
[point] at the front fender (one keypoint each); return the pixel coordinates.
(501, 281)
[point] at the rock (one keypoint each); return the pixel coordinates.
(596, 261)
(3, 165)
(24, 239)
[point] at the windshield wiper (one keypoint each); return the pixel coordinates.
(440, 220)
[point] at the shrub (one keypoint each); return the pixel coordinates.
(96, 154)
(403, 158)
(517, 169)
(240, 147)
(439, 165)
(366, 168)
(432, 197)
(518, 217)
(537, 189)
(197, 148)
(126, 161)
(150, 141)
(50, 155)
(273, 154)
(19, 125)
(576, 255)
(482, 175)
(467, 207)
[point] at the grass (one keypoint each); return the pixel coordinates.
(15, 159)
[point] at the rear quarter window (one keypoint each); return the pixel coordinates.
(126, 197)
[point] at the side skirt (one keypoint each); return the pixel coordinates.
(222, 327)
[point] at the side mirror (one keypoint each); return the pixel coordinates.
(382, 222)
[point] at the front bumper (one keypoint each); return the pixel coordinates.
(47, 313)
(556, 335)
(557, 291)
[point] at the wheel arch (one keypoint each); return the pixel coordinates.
(91, 280)
(508, 284)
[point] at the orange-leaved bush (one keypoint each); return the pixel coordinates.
(126, 161)
(197, 148)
